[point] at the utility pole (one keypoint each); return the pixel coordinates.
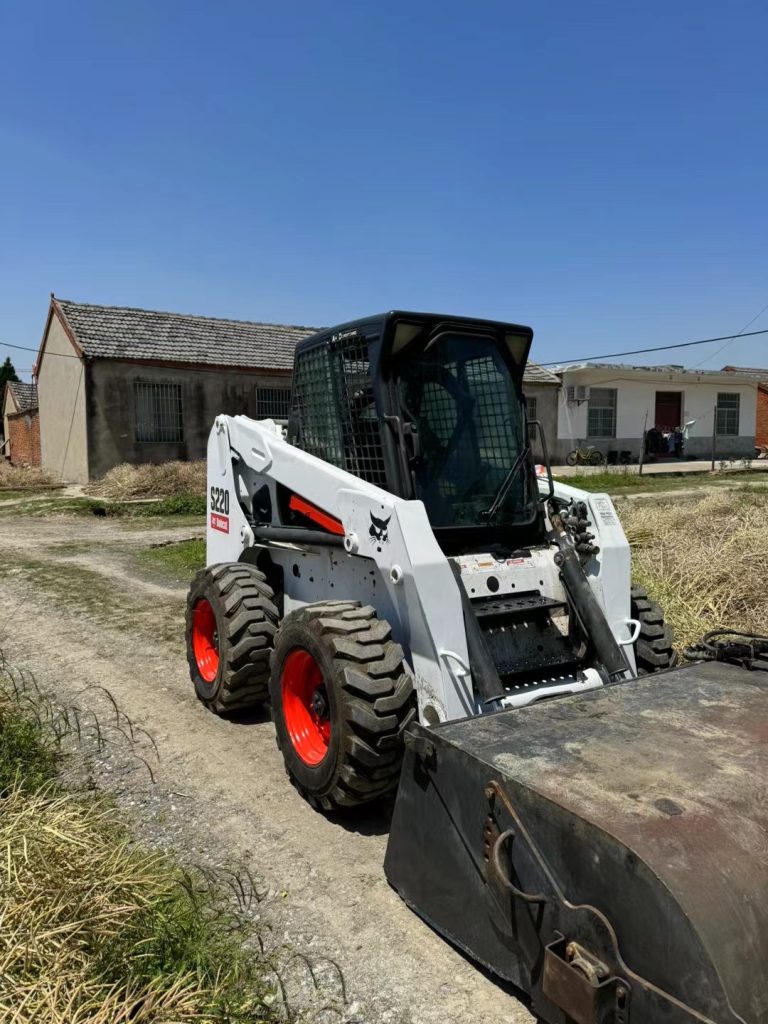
(642, 445)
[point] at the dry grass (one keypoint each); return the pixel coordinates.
(70, 892)
(21, 478)
(705, 562)
(95, 929)
(126, 481)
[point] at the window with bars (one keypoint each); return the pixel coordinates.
(531, 404)
(601, 412)
(158, 412)
(728, 413)
(273, 403)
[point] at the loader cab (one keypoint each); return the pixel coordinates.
(430, 407)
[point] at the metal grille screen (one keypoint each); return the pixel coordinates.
(334, 404)
(462, 424)
(158, 412)
(273, 403)
(728, 413)
(601, 412)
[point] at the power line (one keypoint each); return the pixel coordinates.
(728, 338)
(731, 340)
(26, 348)
(267, 371)
(658, 348)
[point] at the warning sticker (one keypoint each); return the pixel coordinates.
(220, 523)
(604, 508)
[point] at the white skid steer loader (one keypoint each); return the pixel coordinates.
(419, 608)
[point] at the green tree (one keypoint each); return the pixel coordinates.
(7, 372)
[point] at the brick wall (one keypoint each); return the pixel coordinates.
(24, 434)
(761, 426)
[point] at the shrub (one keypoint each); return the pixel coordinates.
(127, 481)
(23, 478)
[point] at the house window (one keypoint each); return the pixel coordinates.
(601, 412)
(531, 404)
(158, 412)
(273, 403)
(728, 413)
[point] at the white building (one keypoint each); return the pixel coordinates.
(611, 405)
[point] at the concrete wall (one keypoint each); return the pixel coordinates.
(9, 408)
(204, 394)
(61, 387)
(636, 396)
(546, 396)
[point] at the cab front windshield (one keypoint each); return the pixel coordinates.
(459, 397)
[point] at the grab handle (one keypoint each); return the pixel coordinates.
(635, 627)
(496, 855)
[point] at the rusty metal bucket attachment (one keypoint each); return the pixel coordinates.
(606, 853)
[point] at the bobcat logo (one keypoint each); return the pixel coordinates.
(379, 531)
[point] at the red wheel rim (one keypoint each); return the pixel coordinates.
(305, 706)
(205, 640)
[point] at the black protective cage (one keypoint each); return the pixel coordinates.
(345, 410)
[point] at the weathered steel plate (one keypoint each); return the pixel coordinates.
(641, 812)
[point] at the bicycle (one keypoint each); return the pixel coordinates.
(587, 456)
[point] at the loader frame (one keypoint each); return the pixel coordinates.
(381, 550)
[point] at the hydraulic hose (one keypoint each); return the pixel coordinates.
(586, 605)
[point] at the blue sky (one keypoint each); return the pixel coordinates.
(597, 170)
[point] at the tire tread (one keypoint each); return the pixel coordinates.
(251, 620)
(377, 698)
(654, 648)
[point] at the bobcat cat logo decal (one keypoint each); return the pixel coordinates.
(379, 531)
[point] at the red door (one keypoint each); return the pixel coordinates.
(669, 410)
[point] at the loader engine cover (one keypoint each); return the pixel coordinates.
(607, 853)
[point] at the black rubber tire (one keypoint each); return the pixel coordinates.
(654, 649)
(596, 458)
(246, 622)
(370, 700)
(572, 458)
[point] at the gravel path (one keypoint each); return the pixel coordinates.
(77, 609)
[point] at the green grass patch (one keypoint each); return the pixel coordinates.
(629, 481)
(97, 928)
(176, 505)
(27, 756)
(176, 561)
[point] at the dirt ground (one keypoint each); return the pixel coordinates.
(80, 609)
